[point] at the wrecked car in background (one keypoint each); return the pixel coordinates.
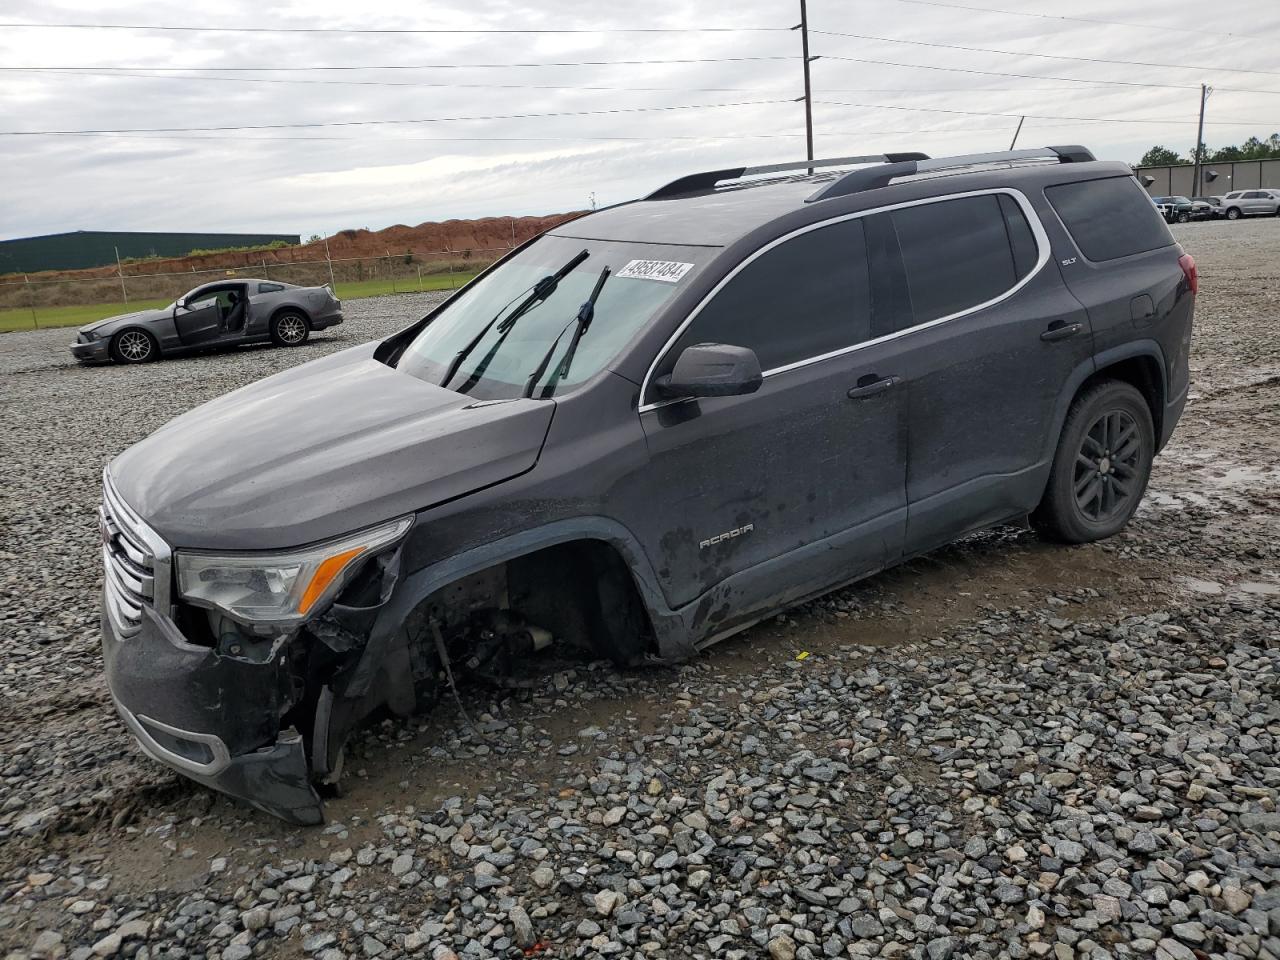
(222, 314)
(638, 434)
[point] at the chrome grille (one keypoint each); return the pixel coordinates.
(135, 564)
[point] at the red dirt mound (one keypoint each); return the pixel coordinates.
(463, 237)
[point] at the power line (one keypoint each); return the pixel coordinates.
(551, 86)
(411, 66)
(953, 131)
(1043, 56)
(1033, 116)
(55, 72)
(1148, 27)
(1030, 76)
(172, 28)
(373, 123)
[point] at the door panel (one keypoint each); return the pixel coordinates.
(740, 481)
(988, 338)
(982, 392)
(200, 325)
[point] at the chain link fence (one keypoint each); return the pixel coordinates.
(25, 300)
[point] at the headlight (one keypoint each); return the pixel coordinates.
(88, 336)
(280, 587)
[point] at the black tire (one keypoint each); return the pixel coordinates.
(134, 346)
(1094, 488)
(1184, 217)
(290, 328)
(1233, 213)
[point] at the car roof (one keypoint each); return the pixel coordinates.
(230, 280)
(716, 216)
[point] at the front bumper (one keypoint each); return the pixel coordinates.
(212, 718)
(95, 351)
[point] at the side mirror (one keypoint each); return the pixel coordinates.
(1146, 180)
(712, 370)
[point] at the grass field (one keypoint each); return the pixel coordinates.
(81, 314)
(75, 316)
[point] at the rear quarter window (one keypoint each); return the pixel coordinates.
(1109, 218)
(270, 287)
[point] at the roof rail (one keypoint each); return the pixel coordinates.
(872, 177)
(709, 179)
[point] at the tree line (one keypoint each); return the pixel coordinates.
(1252, 149)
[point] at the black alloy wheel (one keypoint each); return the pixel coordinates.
(1101, 466)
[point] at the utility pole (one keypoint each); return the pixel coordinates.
(808, 90)
(31, 300)
(1195, 173)
(332, 285)
(1014, 142)
(120, 269)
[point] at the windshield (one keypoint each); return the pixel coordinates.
(505, 356)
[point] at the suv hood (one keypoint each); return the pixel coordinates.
(329, 447)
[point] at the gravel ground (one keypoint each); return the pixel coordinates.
(1005, 749)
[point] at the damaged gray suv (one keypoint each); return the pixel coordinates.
(636, 435)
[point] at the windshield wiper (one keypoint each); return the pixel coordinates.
(541, 290)
(580, 323)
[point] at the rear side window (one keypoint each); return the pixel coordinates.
(1109, 218)
(807, 296)
(269, 287)
(1021, 240)
(957, 254)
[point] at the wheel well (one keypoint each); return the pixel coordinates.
(581, 591)
(290, 308)
(1142, 373)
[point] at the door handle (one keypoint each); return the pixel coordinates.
(1060, 331)
(870, 386)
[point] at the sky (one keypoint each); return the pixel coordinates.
(474, 146)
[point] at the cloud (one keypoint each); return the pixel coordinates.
(326, 178)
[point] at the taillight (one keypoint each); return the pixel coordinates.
(1188, 264)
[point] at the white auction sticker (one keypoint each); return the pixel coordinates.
(668, 271)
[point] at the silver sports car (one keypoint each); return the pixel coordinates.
(224, 313)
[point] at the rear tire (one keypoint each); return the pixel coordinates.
(1184, 217)
(134, 346)
(290, 329)
(1101, 467)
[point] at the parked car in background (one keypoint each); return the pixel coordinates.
(220, 314)
(638, 434)
(1176, 209)
(1206, 208)
(1250, 203)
